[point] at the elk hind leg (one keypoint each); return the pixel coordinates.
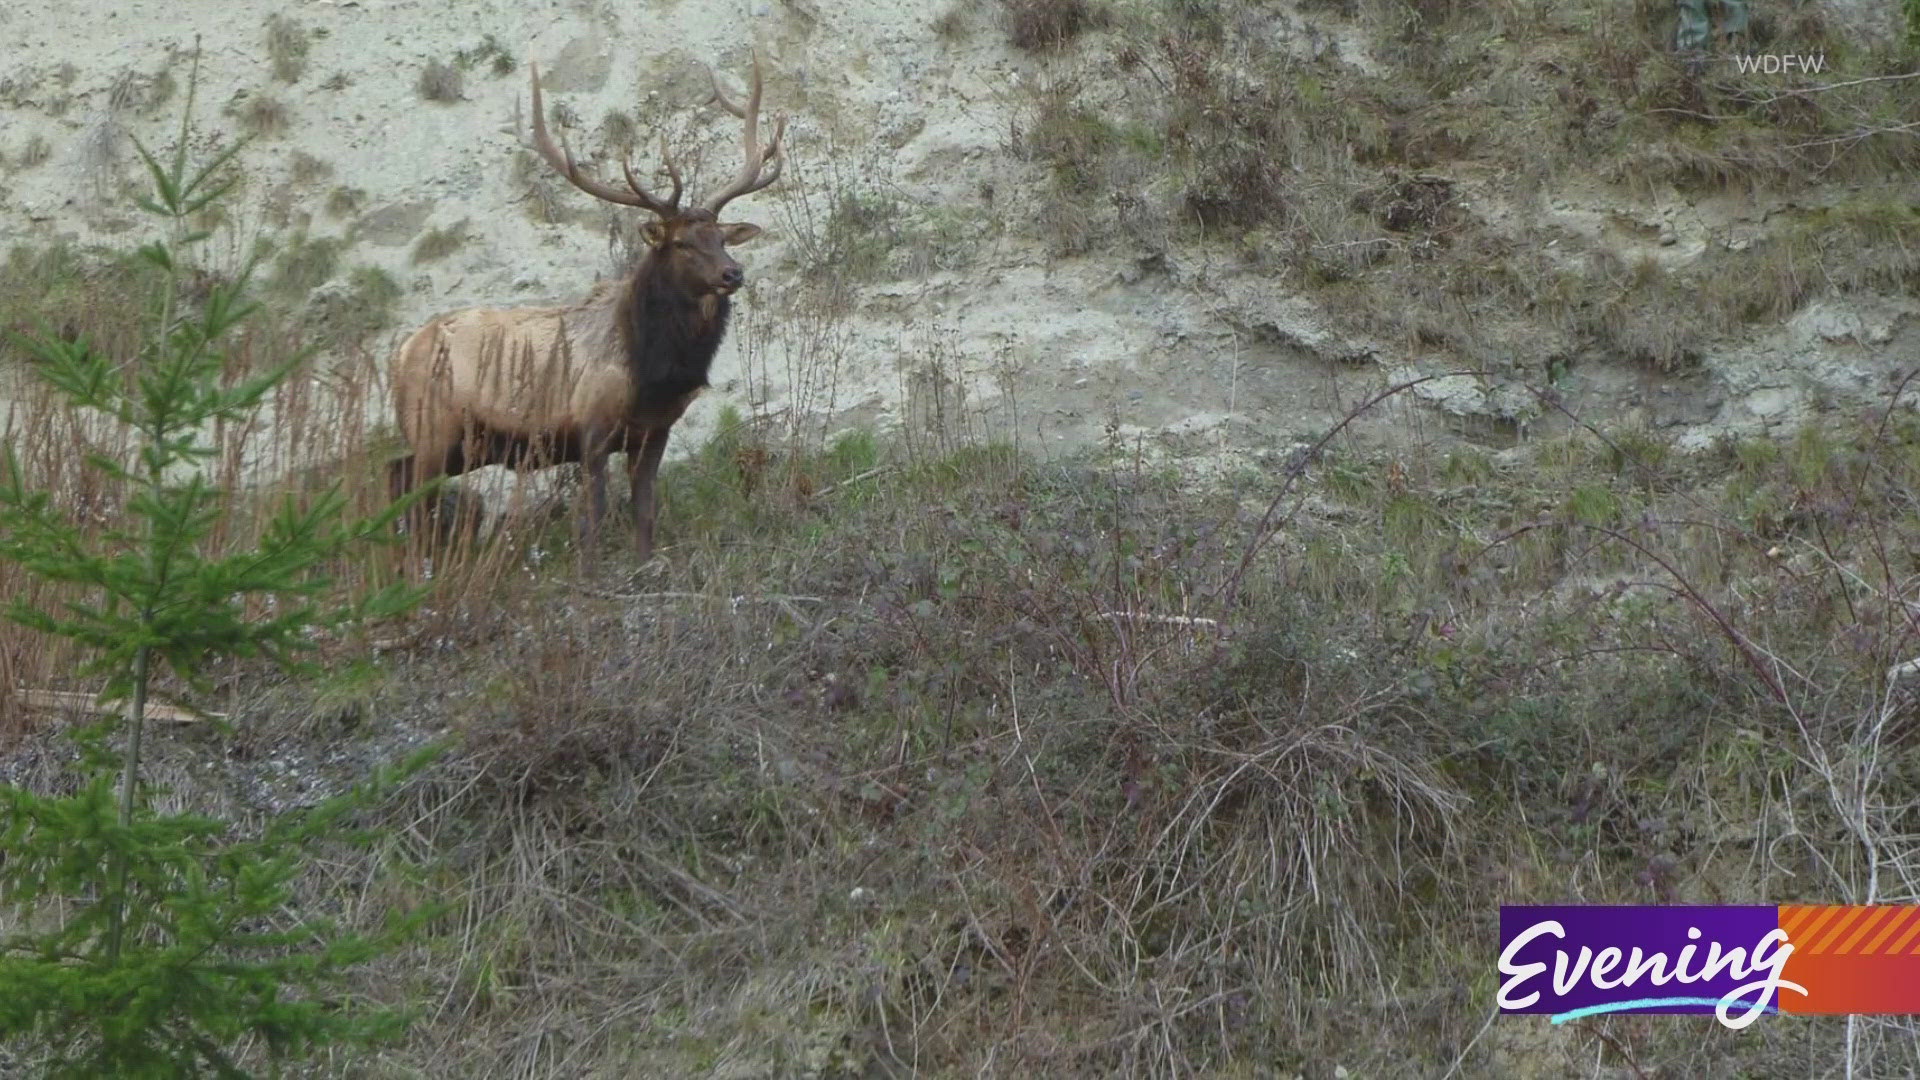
(400, 477)
(403, 475)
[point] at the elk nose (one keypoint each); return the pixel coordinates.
(733, 277)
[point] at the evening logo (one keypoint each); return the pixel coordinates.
(1734, 962)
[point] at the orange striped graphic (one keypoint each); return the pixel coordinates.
(1852, 959)
(1874, 917)
(1848, 916)
(1900, 946)
(1807, 922)
(1902, 917)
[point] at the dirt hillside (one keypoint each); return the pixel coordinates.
(921, 179)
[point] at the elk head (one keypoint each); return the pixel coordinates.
(690, 244)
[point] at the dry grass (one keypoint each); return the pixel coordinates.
(545, 196)
(287, 45)
(619, 132)
(35, 152)
(304, 168)
(952, 24)
(1858, 246)
(490, 53)
(345, 201)
(1340, 181)
(824, 803)
(320, 427)
(1619, 103)
(262, 115)
(67, 291)
(305, 263)
(439, 242)
(951, 760)
(142, 93)
(440, 82)
(1226, 140)
(347, 318)
(1048, 25)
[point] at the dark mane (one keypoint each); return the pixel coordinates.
(670, 340)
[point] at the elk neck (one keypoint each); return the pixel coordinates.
(671, 334)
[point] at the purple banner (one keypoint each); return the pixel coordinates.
(1581, 961)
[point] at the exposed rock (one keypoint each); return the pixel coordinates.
(582, 66)
(393, 225)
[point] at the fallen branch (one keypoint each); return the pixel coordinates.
(735, 601)
(72, 701)
(380, 645)
(1163, 620)
(851, 480)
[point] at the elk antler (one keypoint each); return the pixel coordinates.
(750, 179)
(560, 159)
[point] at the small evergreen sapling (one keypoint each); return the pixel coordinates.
(152, 944)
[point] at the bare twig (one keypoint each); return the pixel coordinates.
(1605, 1036)
(1802, 90)
(1269, 525)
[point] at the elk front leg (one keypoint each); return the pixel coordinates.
(642, 466)
(423, 520)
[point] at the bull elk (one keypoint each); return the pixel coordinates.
(533, 387)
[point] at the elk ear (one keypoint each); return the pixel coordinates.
(653, 231)
(739, 232)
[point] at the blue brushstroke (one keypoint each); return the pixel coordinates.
(1643, 1003)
